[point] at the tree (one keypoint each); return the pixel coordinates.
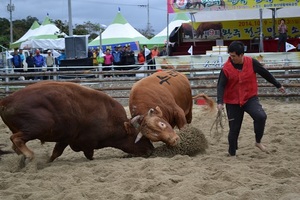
(148, 33)
(4, 32)
(62, 26)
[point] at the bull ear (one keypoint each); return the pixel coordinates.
(127, 126)
(159, 112)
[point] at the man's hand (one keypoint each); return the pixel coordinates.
(282, 89)
(220, 107)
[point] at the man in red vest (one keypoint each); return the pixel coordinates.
(237, 88)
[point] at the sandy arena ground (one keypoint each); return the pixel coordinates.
(213, 175)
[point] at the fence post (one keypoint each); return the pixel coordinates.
(6, 79)
(100, 76)
(286, 80)
(54, 70)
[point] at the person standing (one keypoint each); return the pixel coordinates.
(21, 55)
(30, 64)
(129, 56)
(163, 52)
(237, 88)
(107, 61)
(17, 61)
(141, 57)
(50, 61)
(117, 55)
(154, 54)
(148, 57)
(282, 29)
(39, 62)
(62, 56)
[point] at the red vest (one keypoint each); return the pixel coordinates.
(241, 85)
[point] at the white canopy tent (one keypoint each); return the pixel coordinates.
(119, 31)
(44, 36)
(44, 44)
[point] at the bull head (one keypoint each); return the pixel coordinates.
(156, 128)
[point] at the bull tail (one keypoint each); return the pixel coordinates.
(209, 101)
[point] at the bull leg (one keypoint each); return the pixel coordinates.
(58, 150)
(16, 149)
(189, 116)
(180, 117)
(89, 154)
(19, 145)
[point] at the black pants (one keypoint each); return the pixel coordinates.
(235, 115)
(281, 41)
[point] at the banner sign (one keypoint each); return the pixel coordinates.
(237, 30)
(175, 6)
(215, 61)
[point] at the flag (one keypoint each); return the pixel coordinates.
(147, 52)
(289, 46)
(8, 56)
(190, 51)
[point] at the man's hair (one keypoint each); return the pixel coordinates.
(237, 47)
(282, 19)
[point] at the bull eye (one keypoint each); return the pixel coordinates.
(162, 125)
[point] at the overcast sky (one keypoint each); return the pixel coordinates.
(96, 11)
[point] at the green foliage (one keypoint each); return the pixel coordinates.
(148, 32)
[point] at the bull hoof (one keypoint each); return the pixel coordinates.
(23, 162)
(89, 155)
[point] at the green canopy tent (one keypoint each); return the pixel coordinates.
(46, 30)
(119, 31)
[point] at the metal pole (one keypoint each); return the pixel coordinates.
(273, 23)
(70, 18)
(10, 9)
(100, 38)
(148, 15)
(168, 35)
(193, 32)
(261, 36)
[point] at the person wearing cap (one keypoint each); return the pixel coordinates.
(117, 55)
(129, 56)
(49, 61)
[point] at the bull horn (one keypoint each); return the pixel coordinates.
(138, 137)
(134, 121)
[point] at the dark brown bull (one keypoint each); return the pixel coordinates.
(188, 30)
(160, 102)
(69, 114)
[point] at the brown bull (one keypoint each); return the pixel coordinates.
(160, 102)
(69, 114)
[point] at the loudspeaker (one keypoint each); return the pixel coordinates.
(76, 47)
